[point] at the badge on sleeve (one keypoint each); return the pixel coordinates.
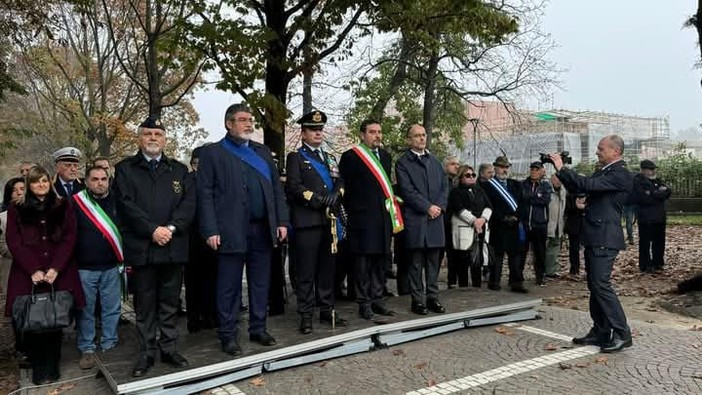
(307, 195)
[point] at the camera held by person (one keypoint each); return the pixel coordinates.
(567, 160)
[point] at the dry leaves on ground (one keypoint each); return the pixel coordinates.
(258, 382)
(61, 388)
(550, 347)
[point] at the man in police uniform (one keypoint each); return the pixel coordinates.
(67, 161)
(156, 204)
(314, 192)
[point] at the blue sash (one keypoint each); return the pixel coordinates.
(248, 156)
(504, 193)
(323, 172)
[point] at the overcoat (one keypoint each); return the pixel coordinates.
(369, 227)
(147, 200)
(222, 197)
(40, 240)
(422, 183)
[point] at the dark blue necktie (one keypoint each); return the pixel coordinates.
(153, 164)
(69, 188)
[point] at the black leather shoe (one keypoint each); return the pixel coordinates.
(263, 338)
(617, 344)
(518, 288)
(587, 340)
(494, 287)
(418, 308)
(382, 310)
(174, 359)
(142, 366)
(326, 317)
(306, 324)
(231, 347)
(436, 307)
(365, 312)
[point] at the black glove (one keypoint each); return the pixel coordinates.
(329, 200)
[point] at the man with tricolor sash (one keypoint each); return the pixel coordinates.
(373, 216)
(99, 255)
(314, 190)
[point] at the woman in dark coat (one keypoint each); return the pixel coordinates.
(468, 205)
(41, 234)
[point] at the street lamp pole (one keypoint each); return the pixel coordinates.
(474, 122)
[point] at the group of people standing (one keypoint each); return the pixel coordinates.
(233, 212)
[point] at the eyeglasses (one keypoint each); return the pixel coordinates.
(469, 175)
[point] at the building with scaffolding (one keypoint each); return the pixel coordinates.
(500, 129)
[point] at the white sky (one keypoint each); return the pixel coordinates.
(622, 56)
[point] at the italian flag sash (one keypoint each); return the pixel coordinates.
(101, 220)
(392, 202)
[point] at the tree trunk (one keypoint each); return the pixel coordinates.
(395, 83)
(429, 109)
(307, 92)
(277, 81)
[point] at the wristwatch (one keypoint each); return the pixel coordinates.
(172, 228)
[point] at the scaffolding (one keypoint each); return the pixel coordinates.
(499, 129)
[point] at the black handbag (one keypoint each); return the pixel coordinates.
(43, 311)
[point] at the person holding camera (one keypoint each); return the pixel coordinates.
(606, 193)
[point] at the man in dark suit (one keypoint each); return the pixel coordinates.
(424, 189)
(373, 214)
(606, 193)
(67, 161)
(504, 194)
(536, 196)
(314, 191)
(242, 214)
(155, 205)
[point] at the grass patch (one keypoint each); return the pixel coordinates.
(685, 219)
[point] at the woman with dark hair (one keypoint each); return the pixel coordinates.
(14, 192)
(470, 210)
(41, 234)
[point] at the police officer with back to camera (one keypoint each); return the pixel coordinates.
(156, 205)
(67, 161)
(606, 191)
(314, 191)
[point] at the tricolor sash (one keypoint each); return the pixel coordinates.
(248, 156)
(392, 202)
(325, 175)
(101, 220)
(98, 217)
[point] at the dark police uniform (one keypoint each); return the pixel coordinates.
(310, 199)
(147, 199)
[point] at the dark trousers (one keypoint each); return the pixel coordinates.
(574, 252)
(651, 245)
(258, 273)
(200, 290)
(456, 267)
(370, 278)
(276, 293)
(537, 239)
(402, 262)
(427, 260)
(605, 310)
(344, 262)
(514, 262)
(156, 296)
(44, 354)
(315, 269)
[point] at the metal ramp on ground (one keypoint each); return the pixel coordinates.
(213, 373)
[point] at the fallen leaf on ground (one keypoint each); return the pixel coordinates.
(398, 353)
(258, 382)
(550, 347)
(602, 360)
(565, 366)
(322, 364)
(431, 383)
(582, 364)
(421, 365)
